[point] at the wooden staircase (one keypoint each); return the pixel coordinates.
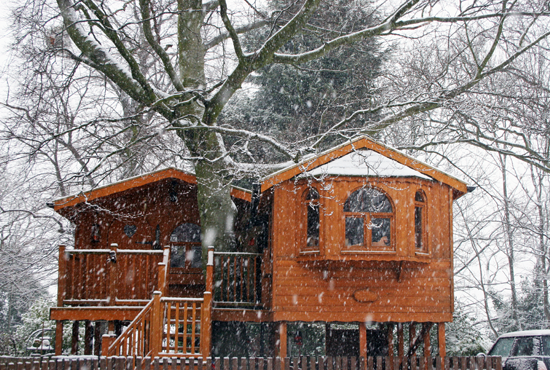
(168, 326)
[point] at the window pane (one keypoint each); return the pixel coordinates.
(312, 194)
(186, 233)
(196, 256)
(380, 232)
(368, 200)
(502, 347)
(523, 347)
(418, 228)
(419, 197)
(177, 256)
(312, 225)
(354, 231)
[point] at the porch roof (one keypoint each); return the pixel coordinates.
(135, 182)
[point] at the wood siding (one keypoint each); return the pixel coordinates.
(399, 286)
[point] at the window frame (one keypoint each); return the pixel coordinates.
(423, 206)
(367, 217)
(305, 249)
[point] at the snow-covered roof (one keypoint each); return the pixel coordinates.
(365, 162)
(375, 159)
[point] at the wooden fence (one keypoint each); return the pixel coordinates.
(295, 363)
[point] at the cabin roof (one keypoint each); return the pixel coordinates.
(135, 182)
(364, 156)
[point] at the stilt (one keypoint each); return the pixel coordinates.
(400, 341)
(427, 340)
(391, 350)
(74, 338)
(363, 340)
(282, 340)
(412, 336)
(97, 338)
(58, 338)
(441, 339)
(88, 335)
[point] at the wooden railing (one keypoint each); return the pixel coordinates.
(110, 276)
(237, 278)
(136, 339)
(169, 326)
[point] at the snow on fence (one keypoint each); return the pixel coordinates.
(294, 363)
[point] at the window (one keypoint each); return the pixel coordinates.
(419, 222)
(186, 250)
(502, 347)
(313, 223)
(368, 220)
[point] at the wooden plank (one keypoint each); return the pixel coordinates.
(406, 316)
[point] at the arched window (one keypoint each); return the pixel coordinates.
(420, 222)
(369, 218)
(313, 222)
(186, 250)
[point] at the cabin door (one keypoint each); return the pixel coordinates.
(185, 273)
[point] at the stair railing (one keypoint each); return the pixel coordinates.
(169, 326)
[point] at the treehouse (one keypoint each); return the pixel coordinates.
(345, 248)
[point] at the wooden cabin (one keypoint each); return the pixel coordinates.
(350, 248)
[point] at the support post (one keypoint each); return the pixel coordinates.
(112, 274)
(97, 338)
(74, 338)
(363, 340)
(391, 350)
(441, 339)
(156, 325)
(427, 340)
(58, 337)
(88, 335)
(400, 341)
(62, 276)
(282, 340)
(412, 336)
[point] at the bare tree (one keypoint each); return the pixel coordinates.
(180, 62)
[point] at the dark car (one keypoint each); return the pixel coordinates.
(523, 350)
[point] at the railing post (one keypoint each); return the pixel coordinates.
(210, 270)
(106, 342)
(112, 274)
(163, 270)
(156, 325)
(206, 314)
(162, 278)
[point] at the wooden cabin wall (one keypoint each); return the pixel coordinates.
(144, 207)
(321, 288)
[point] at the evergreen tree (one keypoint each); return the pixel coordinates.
(294, 102)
